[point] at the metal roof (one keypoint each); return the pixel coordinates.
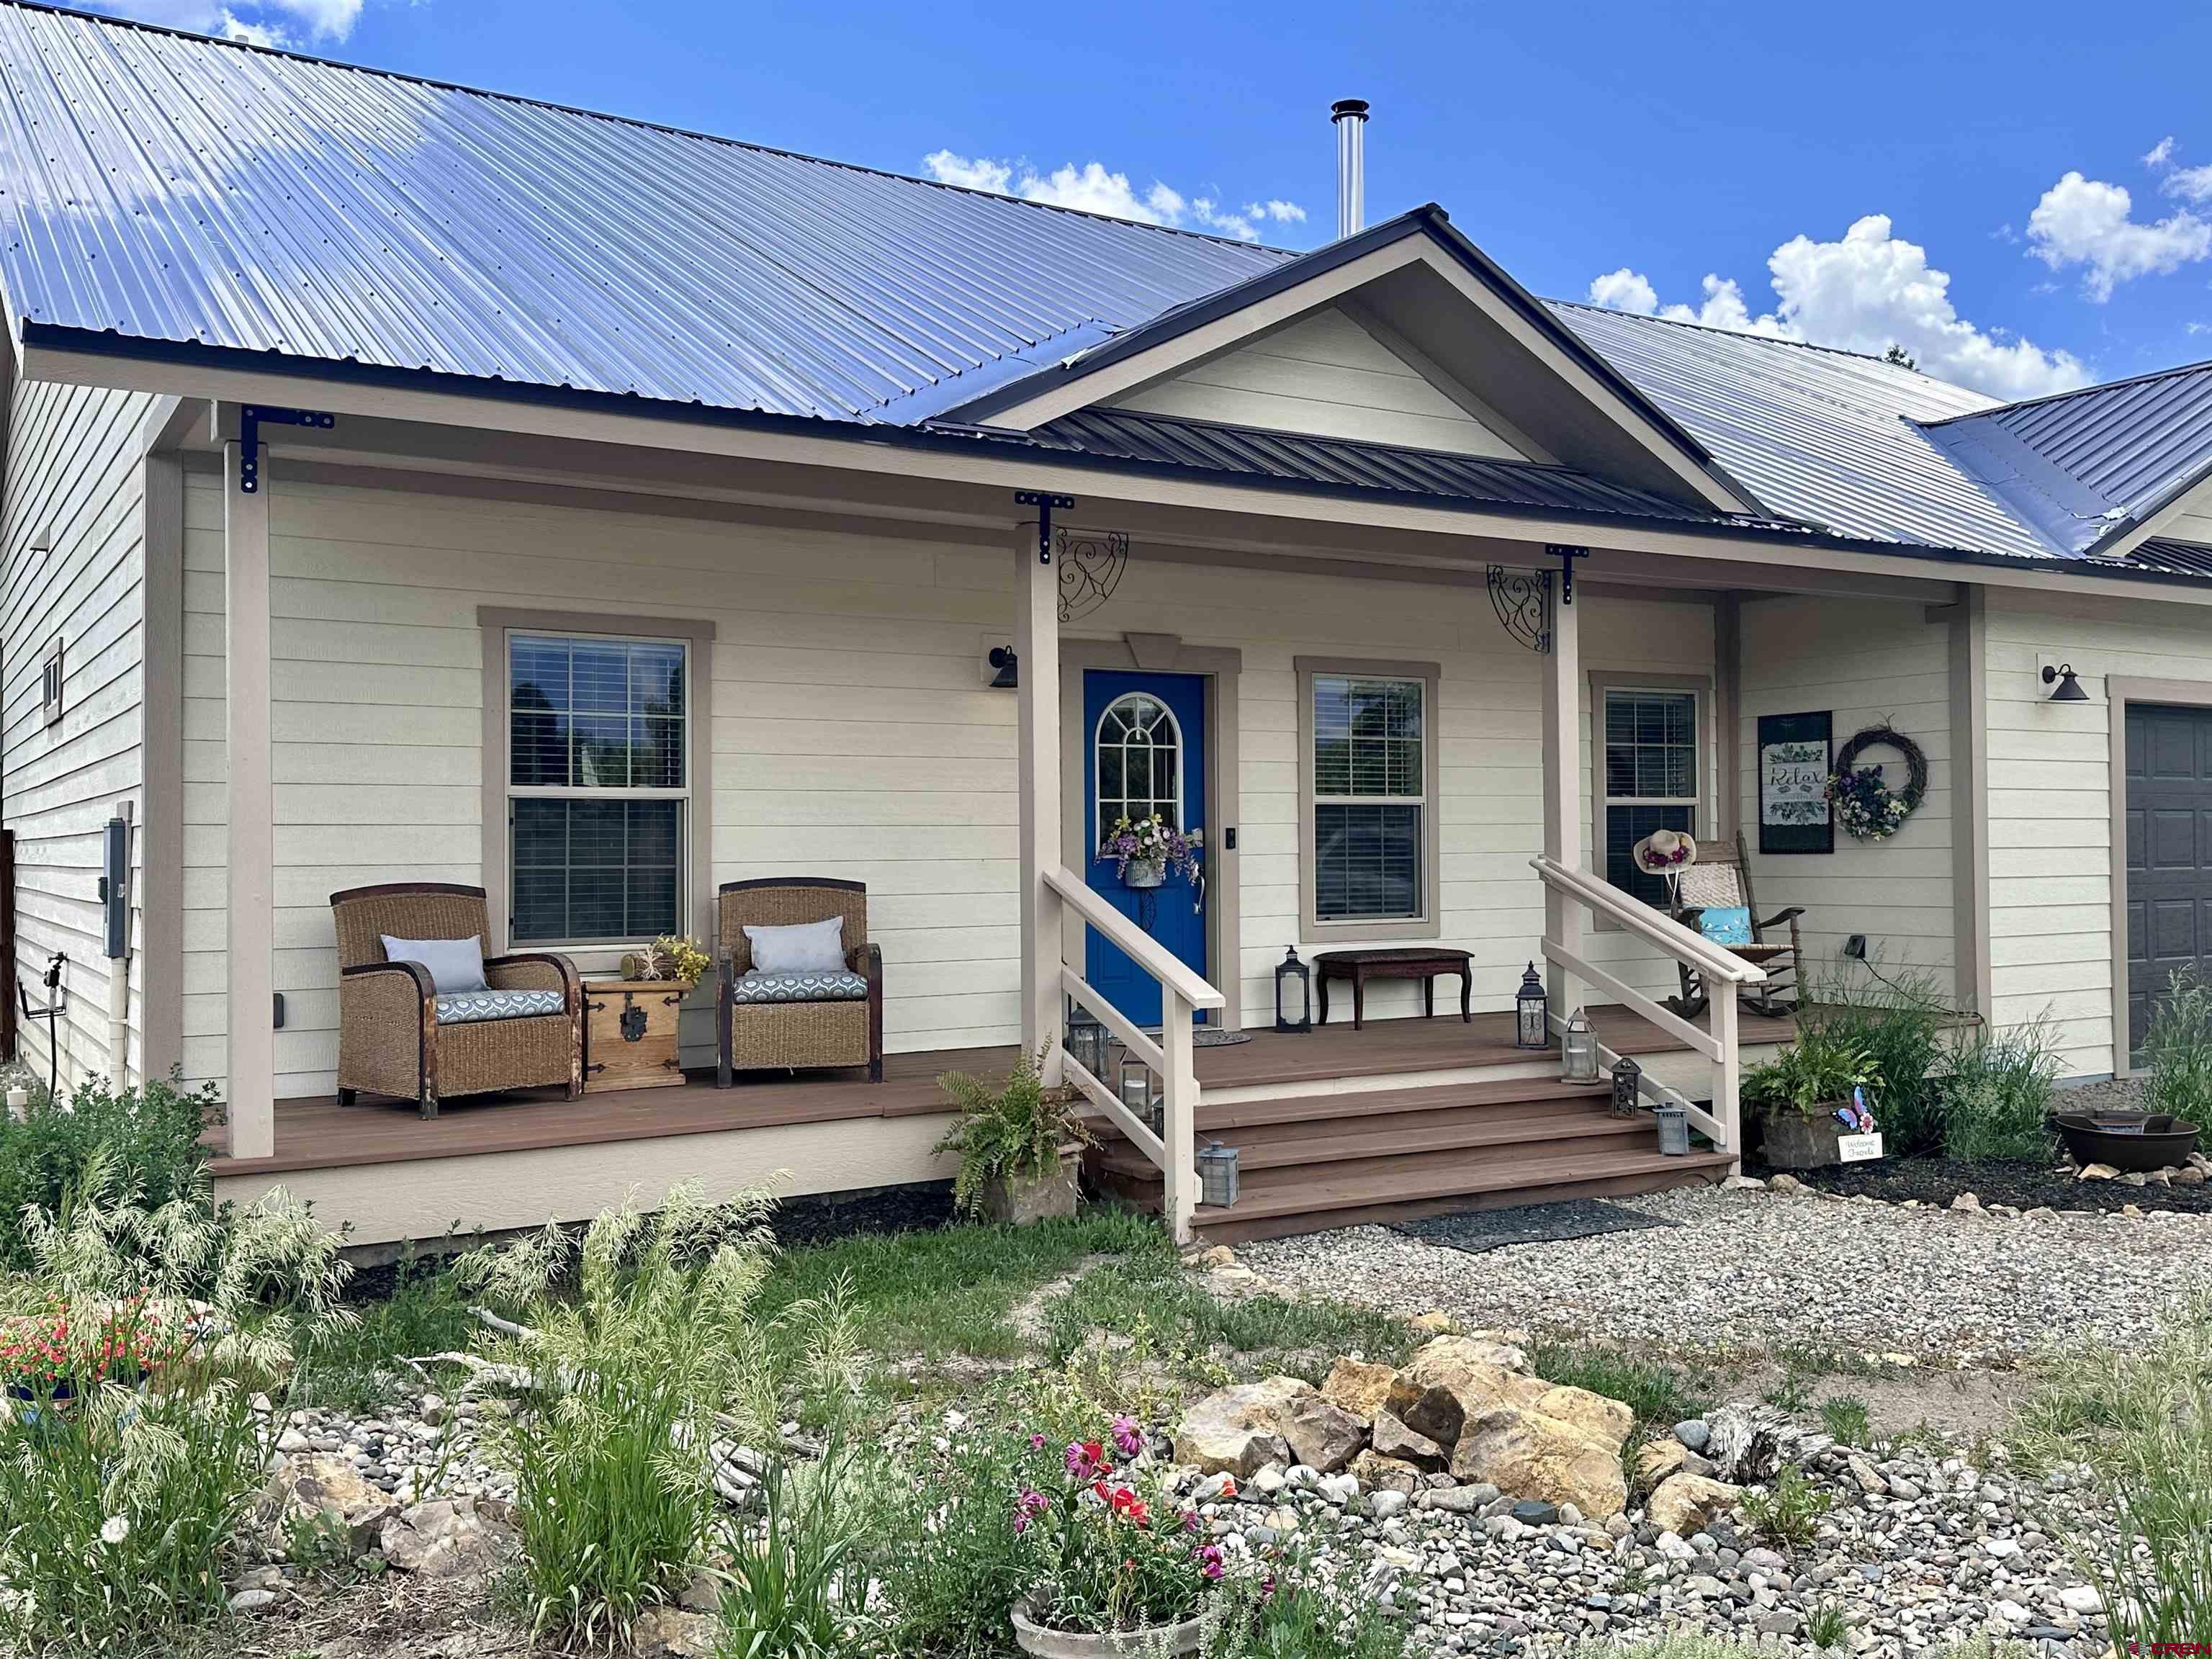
(168, 187)
(1125, 434)
(1825, 436)
(2084, 465)
(2169, 558)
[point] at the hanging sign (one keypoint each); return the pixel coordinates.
(1794, 752)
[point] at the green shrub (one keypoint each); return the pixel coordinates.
(1899, 1024)
(800, 1591)
(1821, 1067)
(1788, 1511)
(151, 1137)
(951, 1565)
(656, 1355)
(1997, 1095)
(1015, 1131)
(1845, 1416)
(2178, 1050)
(133, 1453)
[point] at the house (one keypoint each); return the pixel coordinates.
(347, 412)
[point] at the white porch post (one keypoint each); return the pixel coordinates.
(1036, 647)
(250, 1052)
(1563, 767)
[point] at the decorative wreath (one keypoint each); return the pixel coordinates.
(1867, 807)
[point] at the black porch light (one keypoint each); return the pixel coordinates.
(2067, 688)
(1009, 666)
(1532, 1012)
(1291, 972)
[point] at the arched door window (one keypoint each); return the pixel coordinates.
(1138, 757)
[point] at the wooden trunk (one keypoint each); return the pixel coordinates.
(629, 1033)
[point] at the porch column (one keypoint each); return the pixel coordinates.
(1563, 769)
(250, 1050)
(1036, 647)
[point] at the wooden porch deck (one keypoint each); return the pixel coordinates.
(318, 1133)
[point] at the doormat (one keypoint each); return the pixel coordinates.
(1477, 1230)
(1208, 1036)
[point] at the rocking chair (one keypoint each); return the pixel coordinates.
(1721, 880)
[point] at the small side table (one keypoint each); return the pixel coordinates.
(1423, 962)
(629, 1033)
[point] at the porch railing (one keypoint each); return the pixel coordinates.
(1721, 970)
(1173, 1150)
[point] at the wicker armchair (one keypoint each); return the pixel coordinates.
(390, 1041)
(787, 1035)
(1721, 879)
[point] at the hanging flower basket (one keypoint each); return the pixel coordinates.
(1146, 851)
(1866, 806)
(1145, 872)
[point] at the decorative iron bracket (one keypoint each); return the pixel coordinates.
(1090, 567)
(1044, 501)
(1522, 600)
(1566, 557)
(252, 417)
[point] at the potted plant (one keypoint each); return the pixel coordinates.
(1119, 1570)
(1017, 1145)
(1796, 1095)
(672, 957)
(1145, 851)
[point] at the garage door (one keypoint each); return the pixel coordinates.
(2169, 853)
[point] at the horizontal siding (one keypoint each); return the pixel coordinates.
(2050, 888)
(1866, 662)
(75, 478)
(1324, 374)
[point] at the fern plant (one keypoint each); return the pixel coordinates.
(1819, 1069)
(1011, 1132)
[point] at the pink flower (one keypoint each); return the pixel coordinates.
(1027, 1507)
(1036, 1443)
(1126, 1440)
(1208, 1556)
(1085, 1458)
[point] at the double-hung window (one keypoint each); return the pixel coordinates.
(598, 753)
(1652, 777)
(1370, 805)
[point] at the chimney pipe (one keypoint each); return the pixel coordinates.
(1350, 117)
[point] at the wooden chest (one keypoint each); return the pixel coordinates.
(629, 1033)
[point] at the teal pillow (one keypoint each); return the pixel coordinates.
(1727, 924)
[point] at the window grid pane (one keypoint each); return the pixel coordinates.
(1368, 736)
(1139, 762)
(1367, 862)
(1650, 780)
(588, 870)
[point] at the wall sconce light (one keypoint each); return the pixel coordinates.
(1009, 666)
(2068, 688)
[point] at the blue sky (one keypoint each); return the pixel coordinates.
(1810, 171)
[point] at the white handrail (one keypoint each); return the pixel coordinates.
(1683, 944)
(1141, 947)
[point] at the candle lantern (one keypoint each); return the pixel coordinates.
(1216, 1174)
(1578, 1050)
(1627, 1087)
(1532, 1012)
(1674, 1129)
(1146, 1104)
(1085, 1042)
(1293, 979)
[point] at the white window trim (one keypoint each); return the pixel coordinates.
(1098, 753)
(694, 872)
(1338, 931)
(1602, 684)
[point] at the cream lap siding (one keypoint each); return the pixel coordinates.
(1866, 661)
(2050, 885)
(74, 473)
(1324, 374)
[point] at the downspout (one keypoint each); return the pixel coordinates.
(115, 886)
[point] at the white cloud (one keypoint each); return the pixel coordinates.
(2159, 153)
(1866, 293)
(2086, 221)
(262, 23)
(2191, 184)
(1093, 189)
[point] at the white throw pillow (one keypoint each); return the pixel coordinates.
(456, 965)
(810, 947)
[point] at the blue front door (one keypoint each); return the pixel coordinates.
(1144, 751)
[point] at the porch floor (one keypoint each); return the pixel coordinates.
(316, 1132)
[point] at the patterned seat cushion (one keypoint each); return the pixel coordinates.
(839, 987)
(472, 1006)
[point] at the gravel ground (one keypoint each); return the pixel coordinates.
(1751, 1271)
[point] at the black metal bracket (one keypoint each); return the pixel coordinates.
(1044, 501)
(1522, 600)
(1566, 557)
(252, 417)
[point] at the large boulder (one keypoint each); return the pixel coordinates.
(442, 1539)
(1527, 1454)
(1357, 1389)
(1391, 1438)
(1380, 1473)
(1457, 1378)
(1595, 1414)
(1683, 1503)
(1280, 1419)
(327, 1491)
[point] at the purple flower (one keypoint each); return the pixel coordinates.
(1036, 1443)
(1126, 1440)
(1208, 1556)
(1085, 1458)
(1027, 1507)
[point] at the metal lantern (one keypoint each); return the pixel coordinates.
(1085, 1042)
(1532, 1012)
(1146, 1104)
(1674, 1129)
(1288, 972)
(1627, 1087)
(1578, 1051)
(1216, 1174)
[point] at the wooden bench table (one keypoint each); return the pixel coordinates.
(1423, 962)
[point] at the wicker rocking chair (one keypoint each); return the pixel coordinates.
(1721, 880)
(396, 1036)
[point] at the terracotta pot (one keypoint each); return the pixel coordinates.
(1146, 873)
(1799, 1140)
(1157, 1639)
(1021, 1200)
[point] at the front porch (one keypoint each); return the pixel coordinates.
(509, 1160)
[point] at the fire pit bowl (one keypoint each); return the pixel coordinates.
(2126, 1141)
